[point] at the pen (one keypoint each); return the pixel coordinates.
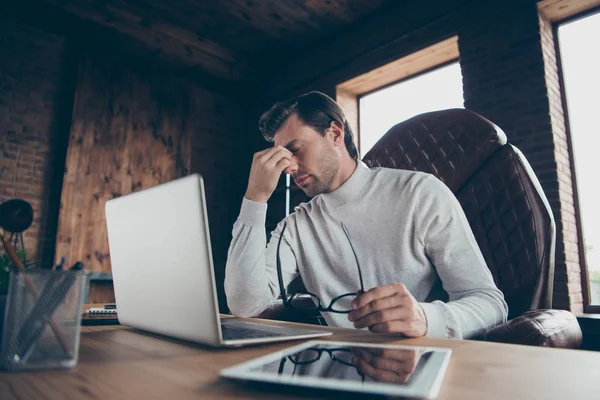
(34, 291)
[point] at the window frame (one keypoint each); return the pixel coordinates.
(585, 282)
(397, 82)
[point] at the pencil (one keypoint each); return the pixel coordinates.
(62, 339)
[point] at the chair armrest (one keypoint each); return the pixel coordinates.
(546, 328)
(279, 312)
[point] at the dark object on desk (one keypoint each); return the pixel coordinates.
(99, 319)
(106, 315)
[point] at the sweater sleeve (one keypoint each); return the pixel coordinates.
(474, 304)
(251, 283)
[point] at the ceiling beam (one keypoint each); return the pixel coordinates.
(168, 40)
(84, 37)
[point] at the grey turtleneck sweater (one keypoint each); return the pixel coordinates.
(406, 227)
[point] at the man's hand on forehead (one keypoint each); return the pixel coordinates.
(267, 166)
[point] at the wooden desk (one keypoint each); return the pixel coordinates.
(116, 362)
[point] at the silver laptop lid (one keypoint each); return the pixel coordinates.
(162, 262)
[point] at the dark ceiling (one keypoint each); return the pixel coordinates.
(228, 39)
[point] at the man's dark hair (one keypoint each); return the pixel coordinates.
(315, 109)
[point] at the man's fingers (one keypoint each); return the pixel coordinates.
(283, 164)
(261, 153)
(379, 304)
(267, 155)
(275, 157)
(379, 375)
(399, 361)
(400, 355)
(378, 292)
(383, 316)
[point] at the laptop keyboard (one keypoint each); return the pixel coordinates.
(238, 332)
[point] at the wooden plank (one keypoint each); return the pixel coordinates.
(174, 42)
(134, 128)
(126, 135)
(556, 10)
(230, 39)
(404, 67)
(348, 101)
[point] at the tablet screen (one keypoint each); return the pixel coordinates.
(366, 368)
(356, 363)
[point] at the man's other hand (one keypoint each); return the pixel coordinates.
(386, 365)
(267, 166)
(387, 309)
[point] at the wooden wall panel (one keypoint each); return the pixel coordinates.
(134, 128)
(126, 135)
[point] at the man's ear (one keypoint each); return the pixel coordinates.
(337, 131)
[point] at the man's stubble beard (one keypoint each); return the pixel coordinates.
(328, 167)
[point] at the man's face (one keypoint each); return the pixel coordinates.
(315, 162)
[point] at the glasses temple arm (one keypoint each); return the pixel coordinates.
(279, 271)
(362, 286)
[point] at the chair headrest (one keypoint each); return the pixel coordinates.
(450, 144)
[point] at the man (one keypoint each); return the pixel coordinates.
(422, 269)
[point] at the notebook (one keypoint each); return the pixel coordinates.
(106, 315)
(162, 265)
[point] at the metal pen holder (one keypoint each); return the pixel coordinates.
(42, 319)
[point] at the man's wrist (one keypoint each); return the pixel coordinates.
(257, 198)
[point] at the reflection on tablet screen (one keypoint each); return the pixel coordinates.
(355, 363)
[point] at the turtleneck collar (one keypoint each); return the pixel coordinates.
(349, 189)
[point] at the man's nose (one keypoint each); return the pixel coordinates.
(293, 167)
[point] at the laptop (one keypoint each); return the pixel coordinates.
(163, 273)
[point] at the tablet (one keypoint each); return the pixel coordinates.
(351, 367)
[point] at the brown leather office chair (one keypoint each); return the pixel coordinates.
(506, 208)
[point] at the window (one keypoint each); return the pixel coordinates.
(580, 58)
(438, 89)
(426, 80)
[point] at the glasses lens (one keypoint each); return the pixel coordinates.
(343, 303)
(343, 356)
(302, 301)
(305, 356)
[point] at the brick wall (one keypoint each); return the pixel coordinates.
(510, 76)
(567, 285)
(31, 91)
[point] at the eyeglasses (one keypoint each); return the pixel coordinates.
(295, 300)
(341, 355)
